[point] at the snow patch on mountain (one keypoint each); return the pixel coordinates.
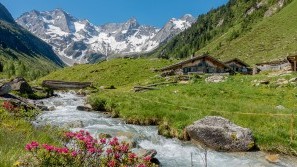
(79, 41)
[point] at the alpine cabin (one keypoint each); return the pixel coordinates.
(198, 65)
(239, 66)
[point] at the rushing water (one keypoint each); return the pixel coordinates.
(171, 152)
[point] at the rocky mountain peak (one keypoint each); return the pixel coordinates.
(131, 23)
(79, 41)
(189, 18)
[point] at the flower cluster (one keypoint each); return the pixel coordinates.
(81, 149)
(32, 146)
(8, 106)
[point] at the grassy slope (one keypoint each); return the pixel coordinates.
(174, 107)
(118, 72)
(271, 39)
(15, 133)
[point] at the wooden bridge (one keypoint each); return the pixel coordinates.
(61, 85)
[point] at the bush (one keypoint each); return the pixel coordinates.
(81, 149)
(98, 104)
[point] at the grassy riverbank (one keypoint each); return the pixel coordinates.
(173, 107)
(16, 131)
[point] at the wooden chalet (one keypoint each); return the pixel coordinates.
(293, 62)
(197, 65)
(239, 66)
(274, 65)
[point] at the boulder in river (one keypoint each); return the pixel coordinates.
(83, 108)
(74, 124)
(145, 152)
(42, 107)
(104, 135)
(221, 134)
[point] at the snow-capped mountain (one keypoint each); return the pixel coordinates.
(79, 41)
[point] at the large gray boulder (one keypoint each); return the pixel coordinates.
(5, 89)
(21, 85)
(221, 134)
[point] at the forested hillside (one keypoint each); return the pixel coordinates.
(219, 28)
(21, 53)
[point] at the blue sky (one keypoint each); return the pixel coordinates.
(149, 12)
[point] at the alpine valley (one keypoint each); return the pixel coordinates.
(79, 41)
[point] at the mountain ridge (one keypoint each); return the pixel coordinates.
(79, 41)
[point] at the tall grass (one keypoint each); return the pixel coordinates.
(249, 106)
(15, 133)
(273, 38)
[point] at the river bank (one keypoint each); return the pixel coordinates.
(171, 152)
(266, 109)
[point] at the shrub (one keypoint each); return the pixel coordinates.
(81, 149)
(98, 104)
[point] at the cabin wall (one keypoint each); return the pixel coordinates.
(274, 67)
(202, 66)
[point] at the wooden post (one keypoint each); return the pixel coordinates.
(294, 65)
(292, 128)
(255, 70)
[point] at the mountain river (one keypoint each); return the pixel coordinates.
(171, 152)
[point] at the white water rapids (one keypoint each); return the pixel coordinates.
(171, 152)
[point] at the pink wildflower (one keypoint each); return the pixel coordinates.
(74, 154)
(92, 150)
(132, 156)
(109, 151)
(31, 146)
(114, 142)
(124, 148)
(111, 163)
(147, 158)
(103, 141)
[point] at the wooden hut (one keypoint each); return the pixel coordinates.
(239, 66)
(197, 65)
(293, 62)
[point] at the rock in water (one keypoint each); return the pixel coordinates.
(83, 108)
(145, 152)
(221, 134)
(5, 89)
(273, 158)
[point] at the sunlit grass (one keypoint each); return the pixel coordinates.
(15, 133)
(236, 99)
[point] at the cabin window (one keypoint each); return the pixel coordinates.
(193, 69)
(211, 70)
(202, 64)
